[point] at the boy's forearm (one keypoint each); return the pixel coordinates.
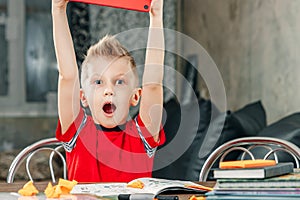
(154, 62)
(156, 21)
(63, 43)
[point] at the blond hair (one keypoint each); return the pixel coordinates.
(108, 47)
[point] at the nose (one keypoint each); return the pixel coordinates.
(108, 91)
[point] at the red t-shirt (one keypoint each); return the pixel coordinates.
(97, 154)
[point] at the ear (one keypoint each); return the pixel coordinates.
(135, 97)
(83, 99)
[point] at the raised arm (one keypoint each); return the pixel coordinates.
(152, 94)
(68, 83)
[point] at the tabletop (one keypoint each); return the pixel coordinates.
(8, 191)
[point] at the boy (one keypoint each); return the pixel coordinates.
(104, 146)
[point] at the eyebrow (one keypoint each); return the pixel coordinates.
(95, 75)
(121, 74)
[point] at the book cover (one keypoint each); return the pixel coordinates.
(291, 180)
(255, 173)
(137, 5)
(152, 186)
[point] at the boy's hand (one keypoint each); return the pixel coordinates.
(59, 4)
(156, 9)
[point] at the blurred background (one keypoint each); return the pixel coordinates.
(254, 43)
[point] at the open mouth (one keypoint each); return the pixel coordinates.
(109, 108)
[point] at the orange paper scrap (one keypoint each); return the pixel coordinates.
(63, 187)
(196, 198)
(136, 184)
(28, 189)
(199, 187)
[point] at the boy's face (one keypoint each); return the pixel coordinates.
(109, 90)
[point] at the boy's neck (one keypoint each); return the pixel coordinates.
(117, 128)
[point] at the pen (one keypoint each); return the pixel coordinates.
(160, 197)
(145, 196)
(142, 196)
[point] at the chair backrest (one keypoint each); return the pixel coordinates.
(246, 144)
(48, 144)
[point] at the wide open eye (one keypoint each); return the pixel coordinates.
(98, 82)
(119, 82)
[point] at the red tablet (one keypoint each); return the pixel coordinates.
(138, 5)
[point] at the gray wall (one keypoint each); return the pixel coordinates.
(255, 44)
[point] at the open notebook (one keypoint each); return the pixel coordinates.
(153, 186)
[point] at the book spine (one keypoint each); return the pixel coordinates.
(271, 172)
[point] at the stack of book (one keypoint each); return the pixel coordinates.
(266, 180)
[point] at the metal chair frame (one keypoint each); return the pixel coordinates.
(48, 144)
(237, 144)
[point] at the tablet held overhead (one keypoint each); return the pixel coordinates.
(138, 5)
